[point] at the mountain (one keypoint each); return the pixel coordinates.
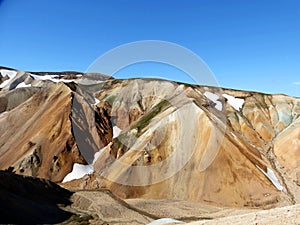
(152, 140)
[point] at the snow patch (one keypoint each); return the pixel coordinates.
(65, 80)
(164, 221)
(4, 83)
(22, 84)
(96, 101)
(45, 77)
(78, 171)
(236, 103)
(52, 78)
(213, 97)
(11, 74)
(116, 131)
(97, 154)
(271, 176)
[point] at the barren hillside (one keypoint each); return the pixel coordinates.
(151, 140)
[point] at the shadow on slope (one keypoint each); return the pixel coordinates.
(31, 200)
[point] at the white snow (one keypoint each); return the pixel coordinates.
(96, 101)
(116, 131)
(23, 85)
(52, 78)
(97, 154)
(79, 171)
(65, 80)
(10, 73)
(213, 97)
(45, 77)
(164, 221)
(4, 83)
(236, 103)
(271, 176)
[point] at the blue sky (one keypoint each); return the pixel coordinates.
(252, 45)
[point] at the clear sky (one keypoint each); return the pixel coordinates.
(248, 44)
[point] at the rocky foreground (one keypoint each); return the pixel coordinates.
(137, 150)
(27, 200)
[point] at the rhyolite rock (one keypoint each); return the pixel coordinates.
(177, 141)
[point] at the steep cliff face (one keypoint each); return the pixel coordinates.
(150, 138)
(37, 133)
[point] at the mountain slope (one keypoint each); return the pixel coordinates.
(150, 138)
(225, 151)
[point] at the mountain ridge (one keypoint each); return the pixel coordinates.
(152, 138)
